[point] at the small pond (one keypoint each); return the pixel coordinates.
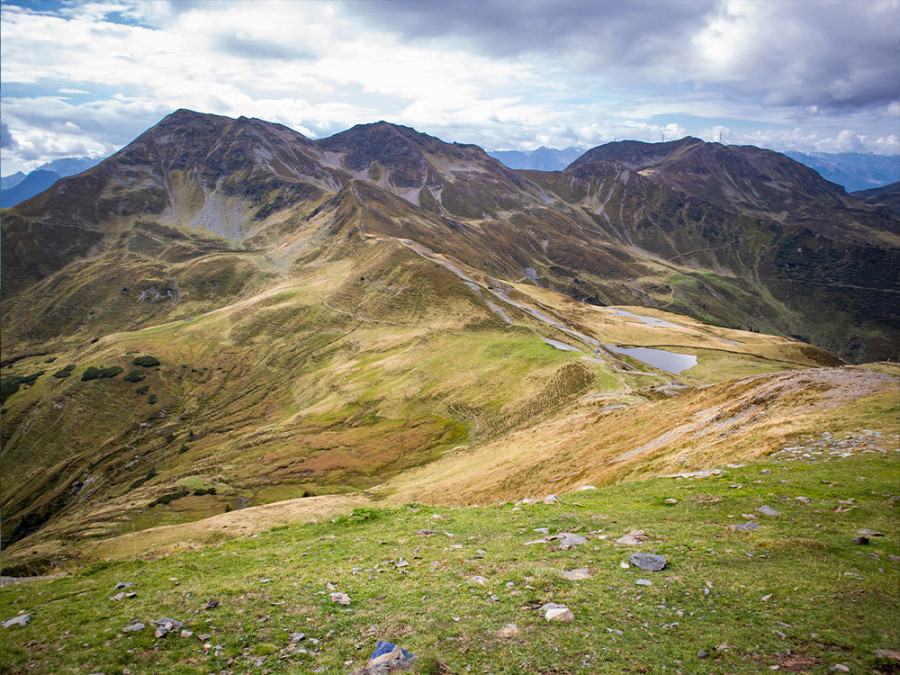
(649, 320)
(658, 358)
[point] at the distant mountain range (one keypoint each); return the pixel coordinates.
(854, 170)
(542, 159)
(18, 187)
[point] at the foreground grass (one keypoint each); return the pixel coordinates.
(796, 593)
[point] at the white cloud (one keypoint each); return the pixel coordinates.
(556, 74)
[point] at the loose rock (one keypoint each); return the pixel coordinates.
(644, 582)
(340, 598)
(133, 627)
(767, 510)
(567, 540)
(560, 614)
(861, 541)
(387, 658)
(577, 574)
(749, 526)
(21, 620)
(633, 537)
(649, 562)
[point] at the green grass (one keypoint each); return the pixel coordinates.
(796, 593)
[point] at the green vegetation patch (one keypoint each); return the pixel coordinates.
(145, 361)
(10, 384)
(94, 373)
(463, 588)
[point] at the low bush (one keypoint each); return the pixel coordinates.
(135, 376)
(152, 399)
(142, 390)
(145, 361)
(64, 372)
(10, 384)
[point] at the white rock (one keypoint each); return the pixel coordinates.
(340, 598)
(561, 614)
(586, 487)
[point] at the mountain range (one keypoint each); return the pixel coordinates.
(227, 305)
(18, 187)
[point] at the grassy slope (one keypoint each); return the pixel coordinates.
(796, 593)
(341, 375)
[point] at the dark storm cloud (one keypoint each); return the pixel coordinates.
(6, 139)
(627, 32)
(824, 53)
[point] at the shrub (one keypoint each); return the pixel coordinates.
(142, 390)
(64, 372)
(9, 385)
(145, 361)
(152, 399)
(183, 449)
(135, 376)
(205, 491)
(92, 373)
(170, 438)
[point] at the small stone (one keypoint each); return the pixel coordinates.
(767, 510)
(168, 624)
(633, 537)
(481, 581)
(702, 654)
(211, 604)
(542, 530)
(551, 499)
(123, 584)
(567, 540)
(649, 562)
(890, 654)
(671, 500)
(644, 582)
(21, 620)
(766, 598)
(586, 487)
(749, 526)
(133, 627)
(869, 533)
(861, 541)
(426, 533)
(340, 598)
(577, 574)
(766, 471)
(840, 668)
(560, 614)
(624, 565)
(203, 637)
(401, 563)
(185, 633)
(805, 500)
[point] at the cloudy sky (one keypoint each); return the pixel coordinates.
(85, 78)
